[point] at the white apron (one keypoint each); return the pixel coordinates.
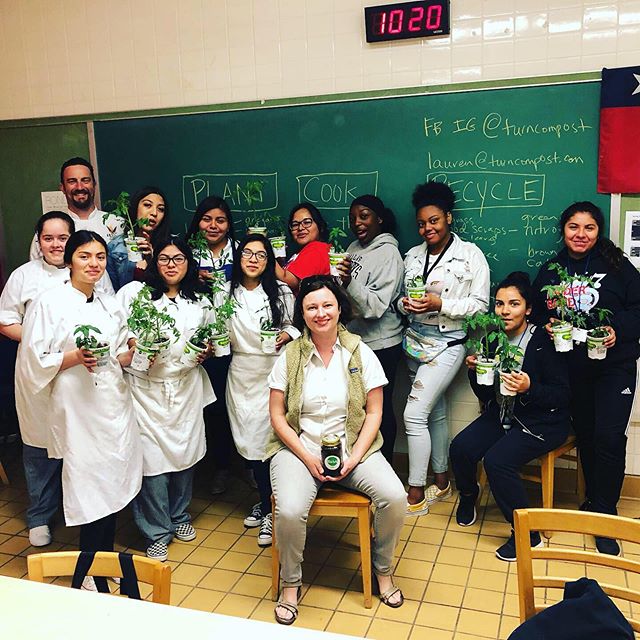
(169, 398)
(247, 389)
(92, 423)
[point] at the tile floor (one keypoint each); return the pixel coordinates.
(453, 584)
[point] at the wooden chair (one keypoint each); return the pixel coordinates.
(3, 475)
(547, 472)
(595, 524)
(334, 502)
(63, 563)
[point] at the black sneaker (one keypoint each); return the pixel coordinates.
(466, 513)
(608, 546)
(507, 551)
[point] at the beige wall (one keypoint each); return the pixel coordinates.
(60, 57)
(63, 57)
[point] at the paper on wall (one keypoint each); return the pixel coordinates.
(53, 201)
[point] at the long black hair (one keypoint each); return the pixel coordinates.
(209, 203)
(189, 286)
(268, 278)
(161, 232)
(612, 254)
(323, 229)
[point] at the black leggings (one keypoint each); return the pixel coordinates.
(263, 480)
(389, 359)
(600, 409)
(98, 535)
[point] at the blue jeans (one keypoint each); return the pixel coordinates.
(162, 504)
(44, 485)
(425, 414)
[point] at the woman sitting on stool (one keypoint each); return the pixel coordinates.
(328, 382)
(509, 435)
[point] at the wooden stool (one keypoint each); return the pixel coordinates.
(3, 475)
(334, 502)
(547, 474)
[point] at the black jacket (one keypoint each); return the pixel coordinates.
(619, 291)
(544, 408)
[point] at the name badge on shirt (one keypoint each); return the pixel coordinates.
(354, 370)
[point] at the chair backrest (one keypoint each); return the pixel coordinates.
(580, 522)
(63, 563)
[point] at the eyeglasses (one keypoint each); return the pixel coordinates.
(177, 259)
(260, 256)
(305, 223)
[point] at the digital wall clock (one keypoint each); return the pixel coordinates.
(403, 20)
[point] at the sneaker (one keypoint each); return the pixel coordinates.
(40, 536)
(185, 532)
(254, 519)
(433, 494)
(265, 535)
(419, 508)
(507, 551)
(158, 551)
(219, 482)
(608, 546)
(88, 584)
(466, 513)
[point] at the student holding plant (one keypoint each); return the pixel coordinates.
(145, 217)
(309, 231)
(93, 428)
(454, 275)
(211, 237)
(372, 275)
(601, 390)
(513, 429)
(262, 304)
(170, 396)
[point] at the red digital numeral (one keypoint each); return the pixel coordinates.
(417, 14)
(437, 10)
(395, 20)
(379, 23)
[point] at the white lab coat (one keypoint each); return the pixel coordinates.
(24, 285)
(91, 415)
(170, 397)
(247, 388)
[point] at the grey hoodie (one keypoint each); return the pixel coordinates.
(376, 282)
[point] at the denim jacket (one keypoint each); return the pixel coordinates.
(119, 268)
(466, 284)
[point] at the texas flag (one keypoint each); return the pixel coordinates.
(619, 152)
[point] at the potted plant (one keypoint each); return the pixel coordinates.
(151, 327)
(578, 318)
(596, 336)
(416, 288)
(120, 210)
(223, 306)
(277, 237)
(253, 194)
(510, 357)
(489, 327)
(562, 331)
(197, 344)
(337, 252)
(87, 341)
(200, 248)
(268, 335)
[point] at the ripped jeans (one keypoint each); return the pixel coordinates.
(425, 414)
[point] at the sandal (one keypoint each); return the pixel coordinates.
(388, 594)
(288, 606)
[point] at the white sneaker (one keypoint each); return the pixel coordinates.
(40, 536)
(88, 584)
(265, 535)
(254, 519)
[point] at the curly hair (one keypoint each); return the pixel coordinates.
(437, 194)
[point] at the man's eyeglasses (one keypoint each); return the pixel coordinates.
(305, 223)
(260, 256)
(177, 260)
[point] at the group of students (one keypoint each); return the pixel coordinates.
(116, 435)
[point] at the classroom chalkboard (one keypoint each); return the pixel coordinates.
(514, 157)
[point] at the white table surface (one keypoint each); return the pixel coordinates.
(34, 610)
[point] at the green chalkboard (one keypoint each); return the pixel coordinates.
(515, 158)
(30, 157)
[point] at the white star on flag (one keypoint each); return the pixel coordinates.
(637, 90)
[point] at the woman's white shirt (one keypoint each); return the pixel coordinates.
(324, 392)
(465, 286)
